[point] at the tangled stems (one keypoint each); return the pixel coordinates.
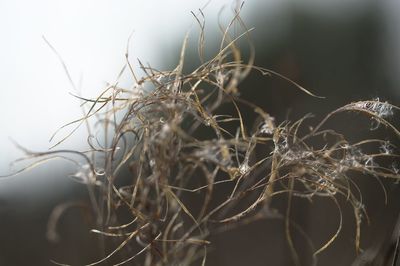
(150, 130)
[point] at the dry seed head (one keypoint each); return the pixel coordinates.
(155, 138)
(380, 109)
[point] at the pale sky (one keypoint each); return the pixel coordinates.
(91, 37)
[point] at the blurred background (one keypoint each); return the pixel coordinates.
(343, 50)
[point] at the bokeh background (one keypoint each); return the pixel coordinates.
(343, 50)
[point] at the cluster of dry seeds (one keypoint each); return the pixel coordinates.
(154, 131)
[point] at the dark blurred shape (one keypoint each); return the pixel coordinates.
(341, 58)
